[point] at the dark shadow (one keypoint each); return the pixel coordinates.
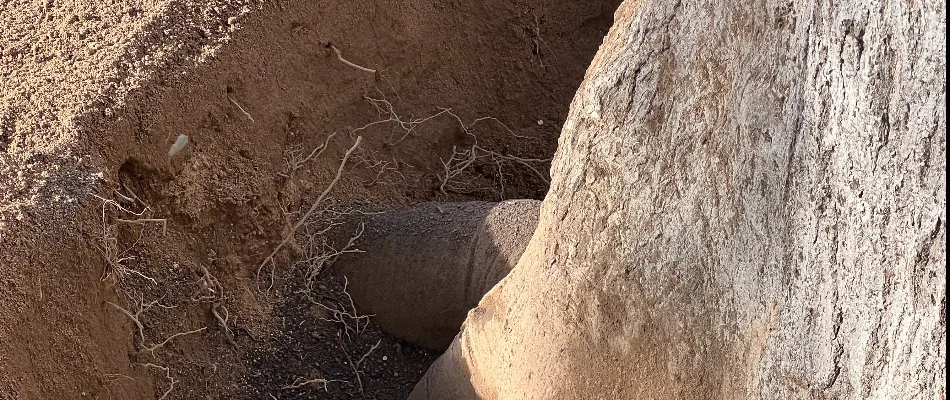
(308, 346)
(419, 271)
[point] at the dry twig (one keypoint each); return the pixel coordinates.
(140, 308)
(241, 109)
(461, 160)
(304, 382)
(380, 167)
(211, 291)
(217, 309)
(357, 371)
(385, 109)
(339, 56)
(136, 318)
(151, 349)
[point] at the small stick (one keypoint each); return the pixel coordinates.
(124, 197)
(339, 56)
(327, 254)
(462, 160)
(295, 164)
(341, 315)
(112, 378)
(151, 349)
(301, 382)
(363, 358)
(356, 366)
(141, 275)
(107, 202)
(356, 371)
(241, 109)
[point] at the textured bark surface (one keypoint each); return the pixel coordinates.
(748, 200)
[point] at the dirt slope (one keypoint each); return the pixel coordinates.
(92, 96)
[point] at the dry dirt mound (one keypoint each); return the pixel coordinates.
(126, 272)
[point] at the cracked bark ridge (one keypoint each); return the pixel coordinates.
(748, 200)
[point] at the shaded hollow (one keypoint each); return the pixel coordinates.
(423, 268)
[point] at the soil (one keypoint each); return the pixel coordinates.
(92, 98)
(306, 347)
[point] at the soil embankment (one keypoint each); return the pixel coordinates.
(127, 272)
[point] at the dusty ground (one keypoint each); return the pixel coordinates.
(92, 97)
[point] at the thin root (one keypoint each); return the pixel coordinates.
(289, 235)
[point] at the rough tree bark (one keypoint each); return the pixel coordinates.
(748, 200)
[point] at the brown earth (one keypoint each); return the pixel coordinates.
(93, 95)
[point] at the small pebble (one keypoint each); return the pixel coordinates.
(179, 144)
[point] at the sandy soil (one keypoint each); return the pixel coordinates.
(97, 220)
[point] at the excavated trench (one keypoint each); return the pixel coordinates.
(459, 103)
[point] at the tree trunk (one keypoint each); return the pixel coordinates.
(748, 200)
